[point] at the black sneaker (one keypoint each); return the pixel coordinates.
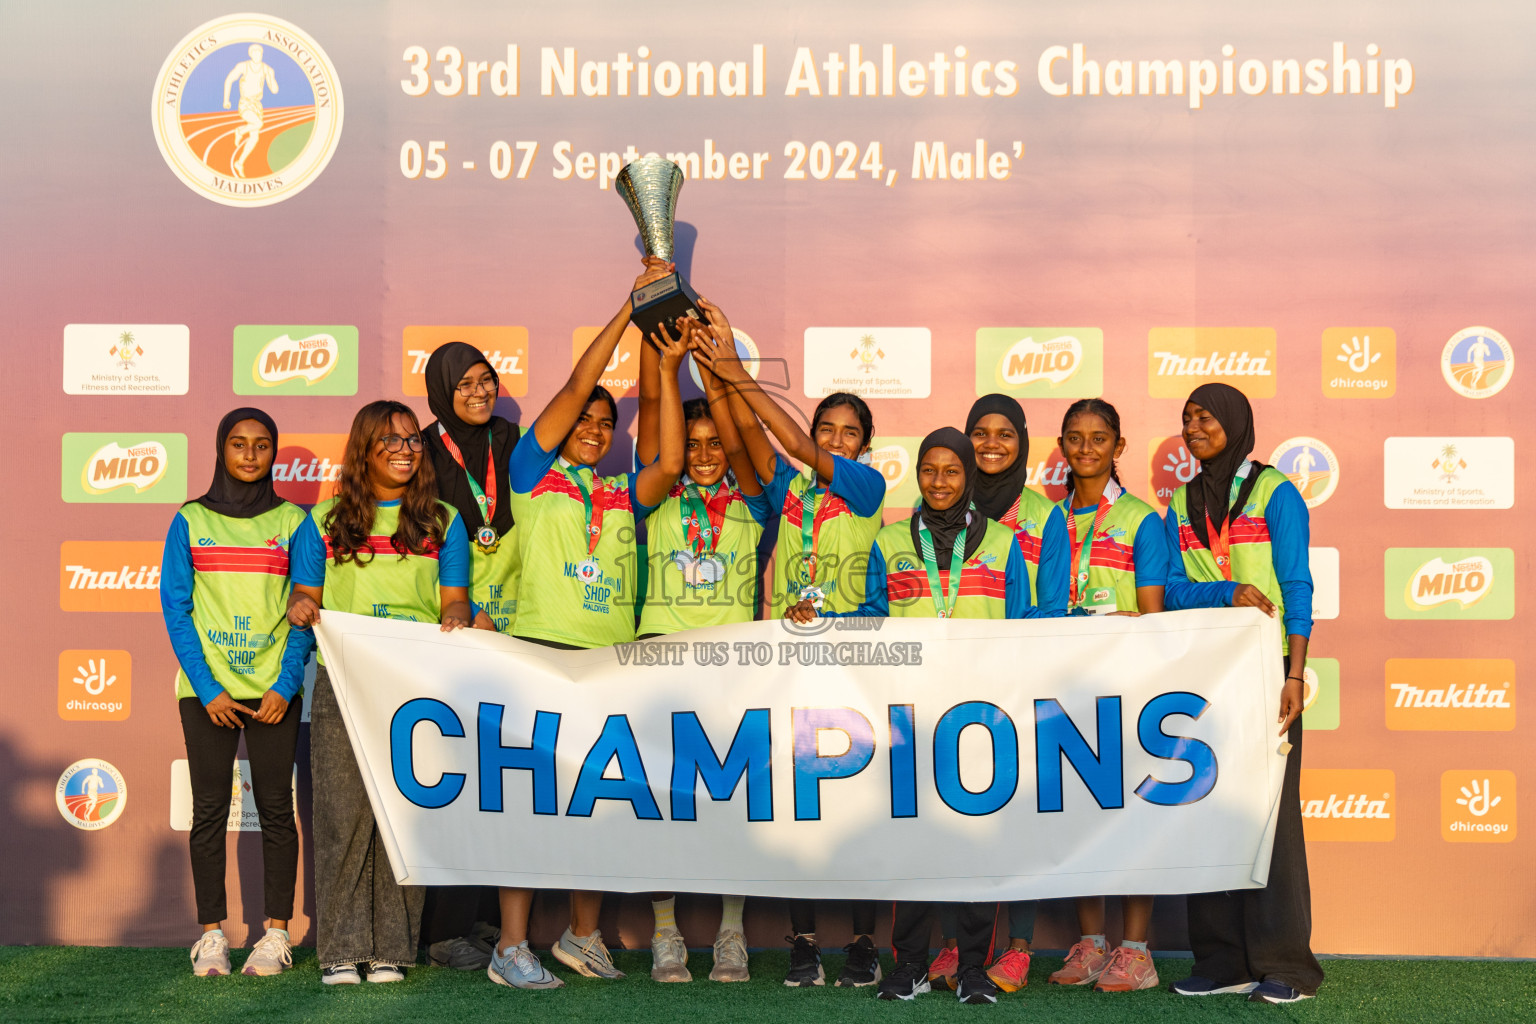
(974, 987)
(804, 963)
(862, 968)
(465, 953)
(908, 981)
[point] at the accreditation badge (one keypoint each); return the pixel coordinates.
(1099, 601)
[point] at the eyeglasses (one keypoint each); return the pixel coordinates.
(471, 387)
(395, 443)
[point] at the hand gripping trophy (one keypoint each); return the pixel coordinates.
(649, 187)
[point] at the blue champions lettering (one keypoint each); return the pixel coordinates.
(1056, 737)
(538, 758)
(1005, 758)
(750, 755)
(1198, 755)
(811, 767)
(617, 741)
(903, 761)
(402, 755)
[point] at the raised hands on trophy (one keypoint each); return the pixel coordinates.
(716, 347)
(656, 268)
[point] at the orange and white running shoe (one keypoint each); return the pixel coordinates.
(1010, 972)
(941, 973)
(1085, 962)
(1128, 970)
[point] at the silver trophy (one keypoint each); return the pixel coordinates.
(649, 187)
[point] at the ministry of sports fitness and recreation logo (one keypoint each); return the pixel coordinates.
(1477, 362)
(247, 110)
(1310, 465)
(91, 794)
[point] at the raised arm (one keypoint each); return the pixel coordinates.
(647, 421)
(654, 481)
(725, 426)
(562, 412)
(720, 355)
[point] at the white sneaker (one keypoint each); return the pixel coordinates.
(730, 958)
(669, 956)
(382, 973)
(271, 955)
(519, 967)
(586, 956)
(210, 955)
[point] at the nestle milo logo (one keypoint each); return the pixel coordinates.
(295, 360)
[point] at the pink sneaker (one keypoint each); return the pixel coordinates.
(1085, 962)
(1128, 970)
(942, 971)
(1010, 972)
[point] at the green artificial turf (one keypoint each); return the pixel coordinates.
(73, 983)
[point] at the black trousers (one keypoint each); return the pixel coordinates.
(802, 916)
(210, 758)
(1263, 934)
(913, 928)
(453, 910)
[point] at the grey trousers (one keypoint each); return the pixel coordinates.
(363, 914)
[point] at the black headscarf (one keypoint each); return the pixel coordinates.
(1210, 492)
(444, 370)
(945, 525)
(996, 492)
(236, 498)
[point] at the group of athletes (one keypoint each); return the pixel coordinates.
(472, 523)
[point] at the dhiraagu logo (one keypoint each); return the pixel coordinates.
(148, 468)
(1040, 362)
(1450, 583)
(292, 360)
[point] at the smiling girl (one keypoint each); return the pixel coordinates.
(828, 516)
(383, 546)
(224, 590)
(1118, 565)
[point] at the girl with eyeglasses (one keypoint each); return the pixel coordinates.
(383, 546)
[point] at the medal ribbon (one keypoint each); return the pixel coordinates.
(943, 604)
(594, 511)
(1221, 547)
(485, 498)
(704, 516)
(1082, 553)
(811, 519)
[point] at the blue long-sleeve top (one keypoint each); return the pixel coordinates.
(1016, 602)
(1289, 538)
(1053, 575)
(176, 577)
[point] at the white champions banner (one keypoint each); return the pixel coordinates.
(884, 759)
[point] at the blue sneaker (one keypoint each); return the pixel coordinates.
(1275, 992)
(586, 956)
(519, 967)
(1194, 985)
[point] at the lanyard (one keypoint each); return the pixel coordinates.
(1082, 553)
(704, 519)
(594, 512)
(485, 498)
(943, 604)
(1221, 547)
(811, 519)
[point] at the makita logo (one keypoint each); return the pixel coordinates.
(300, 470)
(112, 466)
(1480, 696)
(145, 577)
(1349, 806)
(1233, 364)
(308, 359)
(503, 365)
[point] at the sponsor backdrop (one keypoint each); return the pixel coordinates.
(1330, 209)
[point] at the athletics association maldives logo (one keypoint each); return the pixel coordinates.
(91, 794)
(247, 110)
(1477, 362)
(1310, 465)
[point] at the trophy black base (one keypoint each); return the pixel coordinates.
(658, 305)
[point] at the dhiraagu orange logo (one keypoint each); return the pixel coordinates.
(149, 468)
(1450, 583)
(1040, 362)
